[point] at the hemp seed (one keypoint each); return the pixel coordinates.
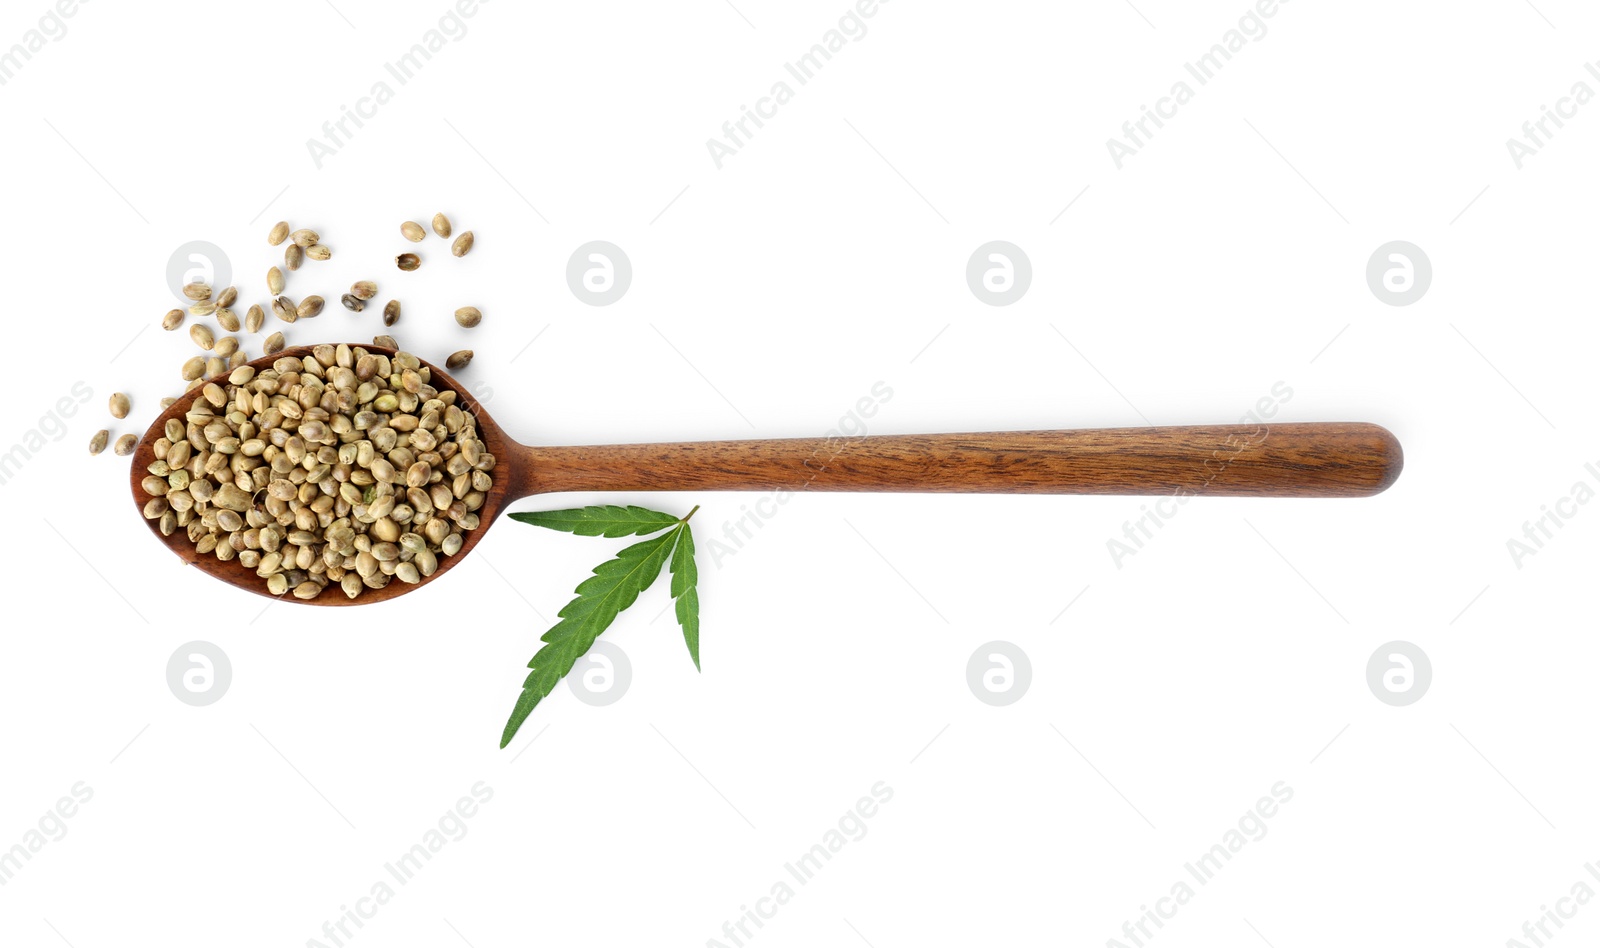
(323, 470)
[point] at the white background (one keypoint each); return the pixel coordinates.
(768, 297)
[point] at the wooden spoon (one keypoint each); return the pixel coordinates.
(1334, 459)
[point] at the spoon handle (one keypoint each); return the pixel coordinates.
(1328, 459)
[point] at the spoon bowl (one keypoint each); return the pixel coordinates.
(1310, 459)
(500, 493)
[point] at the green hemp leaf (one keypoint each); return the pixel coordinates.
(607, 521)
(615, 585)
(684, 577)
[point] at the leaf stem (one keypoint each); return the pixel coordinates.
(689, 514)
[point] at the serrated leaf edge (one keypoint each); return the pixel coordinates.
(573, 628)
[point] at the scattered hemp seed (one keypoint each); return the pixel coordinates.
(125, 445)
(197, 292)
(305, 238)
(227, 319)
(310, 307)
(319, 252)
(275, 281)
(391, 312)
(408, 262)
(352, 303)
(227, 297)
(279, 233)
(273, 345)
(254, 317)
(441, 226)
(364, 289)
(412, 231)
(119, 405)
(203, 336)
(458, 360)
(98, 442)
(463, 244)
(172, 320)
(468, 317)
(293, 256)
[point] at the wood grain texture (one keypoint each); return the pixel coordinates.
(1286, 460)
